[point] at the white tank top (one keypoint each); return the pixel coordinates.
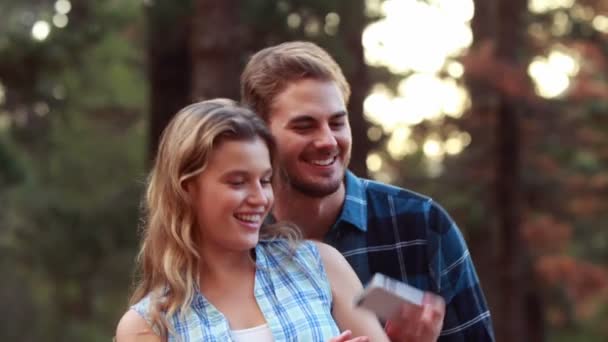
(261, 333)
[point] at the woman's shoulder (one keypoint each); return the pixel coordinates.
(132, 327)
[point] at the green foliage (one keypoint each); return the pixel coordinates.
(74, 155)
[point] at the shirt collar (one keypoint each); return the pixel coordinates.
(354, 210)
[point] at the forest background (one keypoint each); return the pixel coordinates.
(498, 109)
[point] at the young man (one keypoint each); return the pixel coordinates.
(301, 93)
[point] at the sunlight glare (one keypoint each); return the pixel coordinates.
(563, 62)
(433, 148)
(549, 81)
(41, 30)
(455, 98)
(374, 133)
(332, 20)
(294, 20)
(373, 8)
(561, 24)
(454, 144)
(462, 10)
(397, 144)
(552, 74)
(373, 162)
(416, 89)
(542, 6)
(63, 6)
(396, 42)
(312, 27)
(584, 13)
(60, 20)
(455, 69)
(600, 23)
(377, 103)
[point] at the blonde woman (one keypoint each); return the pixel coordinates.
(209, 269)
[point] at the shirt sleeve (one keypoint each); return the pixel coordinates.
(467, 316)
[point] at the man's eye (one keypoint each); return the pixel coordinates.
(266, 181)
(236, 182)
(302, 127)
(337, 124)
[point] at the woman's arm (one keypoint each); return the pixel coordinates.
(134, 328)
(344, 287)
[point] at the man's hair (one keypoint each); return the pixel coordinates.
(270, 70)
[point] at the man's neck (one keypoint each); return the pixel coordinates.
(314, 216)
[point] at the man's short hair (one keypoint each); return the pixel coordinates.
(270, 70)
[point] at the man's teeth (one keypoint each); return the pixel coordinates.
(323, 162)
(250, 218)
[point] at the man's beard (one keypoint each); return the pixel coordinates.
(310, 188)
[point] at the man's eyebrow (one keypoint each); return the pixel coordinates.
(301, 119)
(339, 114)
(308, 118)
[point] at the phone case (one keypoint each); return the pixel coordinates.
(385, 296)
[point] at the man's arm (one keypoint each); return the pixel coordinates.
(467, 317)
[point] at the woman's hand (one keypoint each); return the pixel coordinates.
(346, 337)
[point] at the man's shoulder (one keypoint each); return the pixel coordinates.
(378, 191)
(384, 199)
(380, 188)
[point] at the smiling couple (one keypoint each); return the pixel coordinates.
(211, 270)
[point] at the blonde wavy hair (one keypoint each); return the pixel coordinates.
(169, 258)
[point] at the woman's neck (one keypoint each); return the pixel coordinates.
(219, 268)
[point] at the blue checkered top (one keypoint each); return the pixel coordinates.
(408, 236)
(292, 291)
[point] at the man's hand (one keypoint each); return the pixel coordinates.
(346, 337)
(418, 324)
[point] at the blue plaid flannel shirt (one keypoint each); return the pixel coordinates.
(409, 237)
(292, 290)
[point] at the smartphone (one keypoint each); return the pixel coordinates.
(385, 296)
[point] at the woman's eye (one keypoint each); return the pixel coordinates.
(236, 182)
(266, 181)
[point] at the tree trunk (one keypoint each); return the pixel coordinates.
(218, 49)
(503, 23)
(169, 67)
(352, 24)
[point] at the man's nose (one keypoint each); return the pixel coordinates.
(325, 138)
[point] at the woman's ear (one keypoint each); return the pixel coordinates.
(189, 187)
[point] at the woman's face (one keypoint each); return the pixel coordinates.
(233, 195)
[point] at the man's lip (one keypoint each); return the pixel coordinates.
(311, 161)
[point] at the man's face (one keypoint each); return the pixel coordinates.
(310, 124)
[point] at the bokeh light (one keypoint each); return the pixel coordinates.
(397, 43)
(542, 6)
(600, 23)
(2, 94)
(41, 30)
(374, 162)
(60, 20)
(63, 6)
(552, 74)
(419, 39)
